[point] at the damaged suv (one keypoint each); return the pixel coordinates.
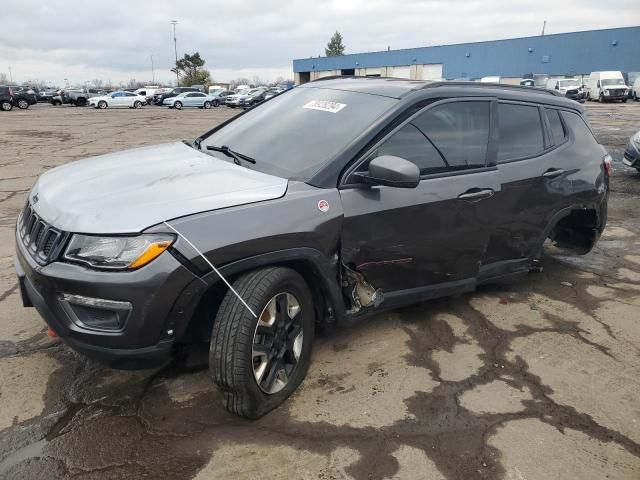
(330, 202)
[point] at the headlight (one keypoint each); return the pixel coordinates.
(606, 92)
(117, 253)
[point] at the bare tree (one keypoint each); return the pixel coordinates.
(97, 83)
(3, 79)
(233, 84)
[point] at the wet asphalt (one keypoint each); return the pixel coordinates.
(534, 380)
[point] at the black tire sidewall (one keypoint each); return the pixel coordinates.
(207, 105)
(137, 104)
(102, 104)
(177, 105)
(6, 106)
(258, 403)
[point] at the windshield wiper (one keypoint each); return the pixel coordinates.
(231, 153)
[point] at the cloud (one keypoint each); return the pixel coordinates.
(82, 41)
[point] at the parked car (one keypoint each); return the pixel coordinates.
(632, 152)
(6, 98)
(160, 97)
(219, 96)
(233, 101)
(569, 87)
(253, 99)
(607, 86)
(635, 89)
(118, 99)
(80, 97)
(46, 94)
(23, 97)
(189, 99)
(378, 193)
(148, 92)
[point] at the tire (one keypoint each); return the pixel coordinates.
(601, 98)
(207, 105)
(23, 104)
(137, 104)
(624, 100)
(232, 359)
(216, 103)
(81, 102)
(56, 103)
(6, 106)
(102, 104)
(177, 105)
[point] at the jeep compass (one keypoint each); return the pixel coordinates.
(332, 201)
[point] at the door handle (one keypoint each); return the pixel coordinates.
(476, 194)
(553, 173)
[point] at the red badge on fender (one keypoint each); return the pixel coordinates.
(323, 205)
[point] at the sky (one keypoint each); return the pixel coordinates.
(81, 40)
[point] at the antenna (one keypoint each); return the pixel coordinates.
(544, 24)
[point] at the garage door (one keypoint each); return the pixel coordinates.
(399, 72)
(432, 71)
(373, 72)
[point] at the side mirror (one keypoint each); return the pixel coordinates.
(391, 171)
(557, 87)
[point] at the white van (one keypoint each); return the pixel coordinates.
(604, 86)
(635, 90)
(569, 87)
(490, 79)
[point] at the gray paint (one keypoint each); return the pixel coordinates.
(126, 192)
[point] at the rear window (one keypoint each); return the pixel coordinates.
(519, 132)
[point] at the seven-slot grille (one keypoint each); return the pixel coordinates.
(41, 239)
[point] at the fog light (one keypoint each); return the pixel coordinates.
(96, 313)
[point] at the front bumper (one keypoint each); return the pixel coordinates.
(155, 292)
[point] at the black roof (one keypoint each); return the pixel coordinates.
(399, 88)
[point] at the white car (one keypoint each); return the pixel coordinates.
(118, 99)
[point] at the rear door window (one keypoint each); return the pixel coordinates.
(519, 132)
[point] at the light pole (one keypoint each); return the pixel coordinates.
(10, 75)
(175, 49)
(153, 75)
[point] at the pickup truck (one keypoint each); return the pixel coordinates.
(80, 98)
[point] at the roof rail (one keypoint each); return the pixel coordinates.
(492, 85)
(449, 83)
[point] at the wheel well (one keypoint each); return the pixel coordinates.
(577, 232)
(201, 323)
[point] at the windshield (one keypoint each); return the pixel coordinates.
(569, 83)
(294, 134)
(612, 81)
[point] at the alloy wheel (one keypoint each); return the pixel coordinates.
(277, 343)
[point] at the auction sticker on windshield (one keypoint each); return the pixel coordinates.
(325, 106)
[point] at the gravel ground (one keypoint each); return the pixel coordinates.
(536, 380)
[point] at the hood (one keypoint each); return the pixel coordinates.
(129, 191)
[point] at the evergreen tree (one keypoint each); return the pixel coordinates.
(335, 46)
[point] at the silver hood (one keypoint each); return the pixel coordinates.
(126, 192)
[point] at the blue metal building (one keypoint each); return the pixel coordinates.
(576, 53)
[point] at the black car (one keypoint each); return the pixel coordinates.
(328, 203)
(632, 152)
(23, 97)
(253, 100)
(6, 98)
(158, 98)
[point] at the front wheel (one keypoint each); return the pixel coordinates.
(102, 104)
(207, 105)
(23, 104)
(178, 105)
(137, 104)
(6, 105)
(216, 103)
(258, 362)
